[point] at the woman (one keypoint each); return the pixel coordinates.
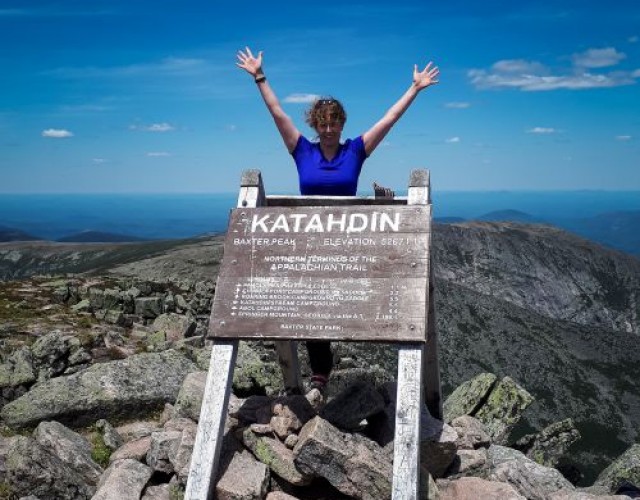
(330, 167)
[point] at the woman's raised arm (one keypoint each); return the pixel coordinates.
(421, 80)
(253, 65)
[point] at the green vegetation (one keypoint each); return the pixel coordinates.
(100, 453)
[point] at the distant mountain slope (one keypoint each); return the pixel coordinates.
(21, 260)
(545, 269)
(510, 216)
(13, 234)
(99, 237)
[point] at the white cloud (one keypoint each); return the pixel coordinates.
(156, 154)
(154, 127)
(486, 80)
(518, 66)
(99, 161)
(457, 105)
(452, 140)
(301, 98)
(533, 76)
(56, 133)
(541, 130)
(623, 138)
(598, 58)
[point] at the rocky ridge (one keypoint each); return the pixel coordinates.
(70, 330)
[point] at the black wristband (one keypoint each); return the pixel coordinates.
(260, 79)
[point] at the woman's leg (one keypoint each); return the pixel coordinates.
(320, 357)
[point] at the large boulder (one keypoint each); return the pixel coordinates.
(273, 453)
(355, 403)
(503, 409)
(132, 386)
(624, 468)
(353, 464)
(123, 480)
(245, 478)
(550, 444)
(32, 470)
(174, 326)
(16, 374)
(530, 479)
(467, 398)
(70, 447)
(473, 488)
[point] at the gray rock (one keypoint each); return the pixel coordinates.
(135, 450)
(532, 480)
(244, 479)
(467, 398)
(290, 413)
(471, 433)
(160, 492)
(353, 464)
(547, 447)
(123, 480)
(469, 463)
(273, 453)
(174, 326)
(50, 354)
(148, 307)
(189, 401)
(474, 488)
(503, 409)
(437, 444)
(163, 444)
(280, 495)
(18, 369)
(138, 429)
(252, 373)
(180, 456)
(624, 468)
(352, 405)
(122, 388)
(110, 436)
(32, 470)
(70, 447)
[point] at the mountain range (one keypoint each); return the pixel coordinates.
(619, 230)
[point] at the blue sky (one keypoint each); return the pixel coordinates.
(114, 96)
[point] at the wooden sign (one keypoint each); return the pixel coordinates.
(349, 273)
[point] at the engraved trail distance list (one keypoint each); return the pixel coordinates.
(351, 273)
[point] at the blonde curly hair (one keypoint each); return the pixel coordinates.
(323, 110)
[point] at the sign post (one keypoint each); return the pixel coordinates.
(330, 268)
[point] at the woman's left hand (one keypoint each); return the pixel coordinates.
(425, 78)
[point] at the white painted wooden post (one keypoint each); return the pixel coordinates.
(406, 447)
(414, 365)
(203, 471)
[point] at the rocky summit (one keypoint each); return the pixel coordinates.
(103, 363)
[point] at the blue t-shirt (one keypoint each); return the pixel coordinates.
(338, 177)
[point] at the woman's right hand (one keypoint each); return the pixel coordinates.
(248, 62)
